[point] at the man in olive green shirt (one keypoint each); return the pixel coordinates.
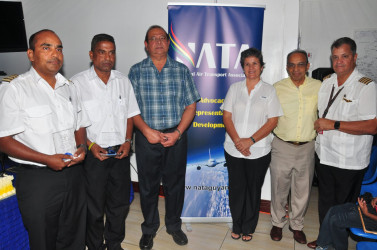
(292, 155)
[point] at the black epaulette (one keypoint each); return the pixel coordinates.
(9, 78)
(365, 80)
(326, 77)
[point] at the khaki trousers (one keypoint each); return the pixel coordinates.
(292, 169)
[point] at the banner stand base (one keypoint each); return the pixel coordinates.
(188, 220)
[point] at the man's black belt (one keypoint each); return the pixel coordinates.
(30, 166)
(167, 129)
(296, 143)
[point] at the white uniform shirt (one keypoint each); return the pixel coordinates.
(108, 106)
(32, 112)
(357, 101)
(249, 114)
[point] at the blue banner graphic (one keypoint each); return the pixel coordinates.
(209, 41)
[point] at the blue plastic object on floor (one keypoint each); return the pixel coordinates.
(365, 245)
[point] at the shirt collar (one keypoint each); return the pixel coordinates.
(93, 74)
(349, 80)
(60, 79)
(303, 84)
(170, 63)
(256, 87)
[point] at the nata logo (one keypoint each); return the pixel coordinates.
(206, 51)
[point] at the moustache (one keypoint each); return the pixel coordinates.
(57, 61)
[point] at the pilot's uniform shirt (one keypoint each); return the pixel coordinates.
(249, 114)
(32, 112)
(356, 102)
(108, 106)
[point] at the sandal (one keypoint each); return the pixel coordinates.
(235, 236)
(247, 237)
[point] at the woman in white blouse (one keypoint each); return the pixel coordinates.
(251, 111)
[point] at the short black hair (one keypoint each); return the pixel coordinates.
(300, 51)
(32, 39)
(344, 40)
(100, 38)
(251, 52)
(154, 27)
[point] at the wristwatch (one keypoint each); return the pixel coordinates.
(128, 140)
(82, 146)
(337, 125)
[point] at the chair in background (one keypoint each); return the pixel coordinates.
(369, 185)
(365, 245)
(370, 175)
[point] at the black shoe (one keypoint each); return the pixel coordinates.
(112, 247)
(179, 237)
(146, 241)
(276, 233)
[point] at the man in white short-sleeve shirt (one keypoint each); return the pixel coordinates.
(42, 129)
(347, 110)
(110, 102)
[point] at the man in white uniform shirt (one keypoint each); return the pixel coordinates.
(347, 110)
(109, 99)
(41, 125)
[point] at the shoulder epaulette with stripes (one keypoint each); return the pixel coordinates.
(328, 76)
(9, 78)
(365, 80)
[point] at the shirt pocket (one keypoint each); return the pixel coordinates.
(39, 119)
(175, 92)
(120, 108)
(259, 108)
(93, 110)
(310, 104)
(350, 108)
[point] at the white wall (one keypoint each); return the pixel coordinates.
(320, 22)
(323, 21)
(76, 22)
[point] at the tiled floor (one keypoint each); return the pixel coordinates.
(217, 235)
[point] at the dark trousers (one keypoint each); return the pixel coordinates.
(53, 207)
(337, 186)
(155, 164)
(333, 230)
(246, 177)
(108, 186)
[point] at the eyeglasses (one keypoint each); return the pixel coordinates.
(156, 39)
(300, 65)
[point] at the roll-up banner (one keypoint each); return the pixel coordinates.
(209, 40)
